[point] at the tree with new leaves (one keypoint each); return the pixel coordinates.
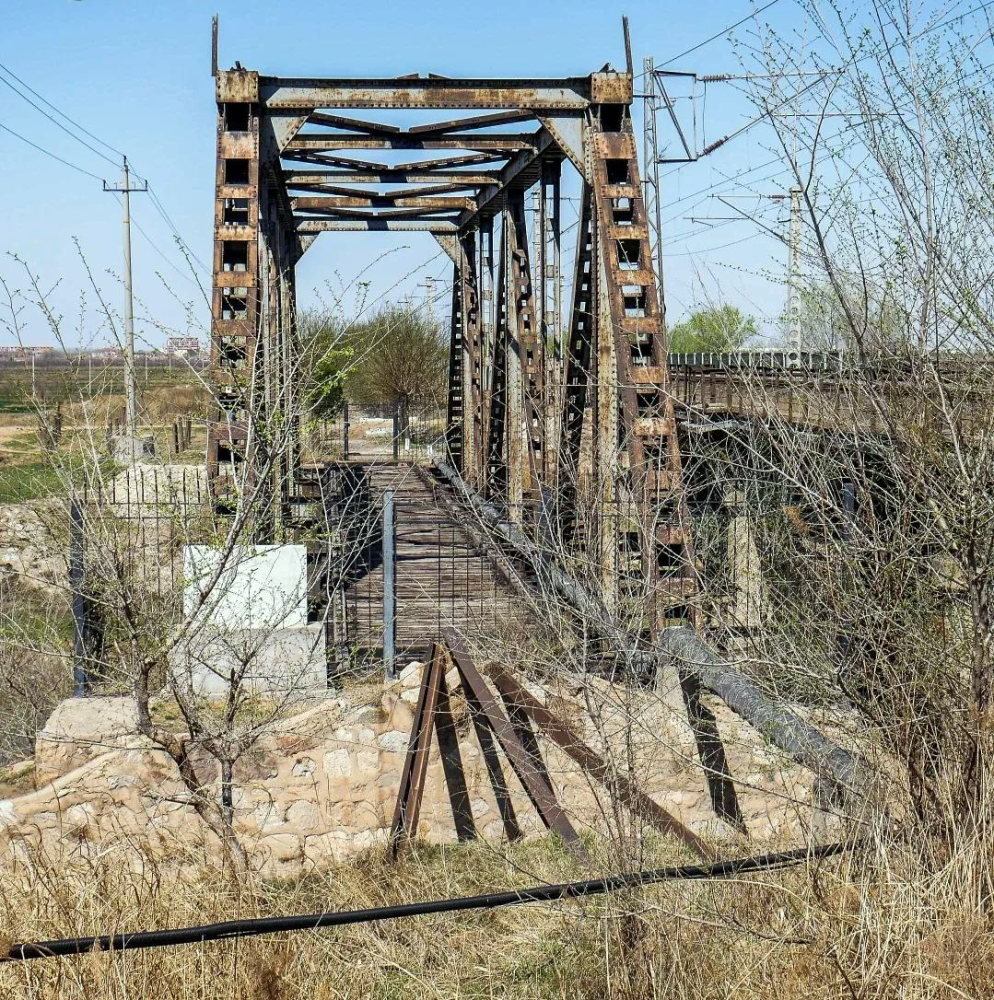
(714, 328)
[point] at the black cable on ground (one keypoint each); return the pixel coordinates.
(313, 921)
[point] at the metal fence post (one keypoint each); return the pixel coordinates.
(844, 639)
(76, 571)
(389, 586)
(345, 431)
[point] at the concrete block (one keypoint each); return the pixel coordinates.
(257, 586)
(261, 660)
(126, 449)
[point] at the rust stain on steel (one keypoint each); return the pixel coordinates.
(279, 92)
(237, 86)
(611, 88)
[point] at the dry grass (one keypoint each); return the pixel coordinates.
(872, 928)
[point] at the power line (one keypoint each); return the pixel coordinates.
(160, 208)
(157, 204)
(722, 33)
(41, 149)
(62, 114)
(58, 124)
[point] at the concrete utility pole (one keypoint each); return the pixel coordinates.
(130, 388)
(794, 271)
(430, 297)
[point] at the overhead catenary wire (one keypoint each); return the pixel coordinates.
(720, 34)
(256, 926)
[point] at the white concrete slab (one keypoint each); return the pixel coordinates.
(257, 587)
(259, 660)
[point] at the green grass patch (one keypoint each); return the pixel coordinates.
(29, 481)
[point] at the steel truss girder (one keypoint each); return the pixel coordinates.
(321, 142)
(528, 350)
(495, 400)
(657, 548)
(283, 93)
(387, 175)
(465, 358)
(577, 360)
(366, 225)
(498, 396)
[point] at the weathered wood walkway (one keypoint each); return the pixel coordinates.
(442, 579)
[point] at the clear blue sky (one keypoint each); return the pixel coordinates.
(136, 73)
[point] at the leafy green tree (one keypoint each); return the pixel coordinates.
(401, 355)
(717, 328)
(327, 362)
(395, 355)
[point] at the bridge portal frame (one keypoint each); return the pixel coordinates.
(292, 162)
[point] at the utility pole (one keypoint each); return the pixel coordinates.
(794, 271)
(793, 310)
(650, 184)
(430, 297)
(130, 388)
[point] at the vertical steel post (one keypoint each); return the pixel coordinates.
(76, 572)
(653, 203)
(389, 586)
(345, 431)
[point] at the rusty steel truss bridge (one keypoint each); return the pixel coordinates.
(561, 424)
(540, 413)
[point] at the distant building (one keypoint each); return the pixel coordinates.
(107, 354)
(22, 352)
(183, 347)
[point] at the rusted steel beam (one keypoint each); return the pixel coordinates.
(452, 766)
(432, 712)
(505, 143)
(412, 778)
(542, 795)
(578, 364)
(333, 203)
(620, 786)
(521, 171)
(385, 213)
(428, 92)
(631, 312)
(387, 175)
(353, 124)
(473, 343)
(420, 191)
(455, 423)
(529, 348)
(474, 122)
(422, 166)
(306, 226)
(496, 399)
